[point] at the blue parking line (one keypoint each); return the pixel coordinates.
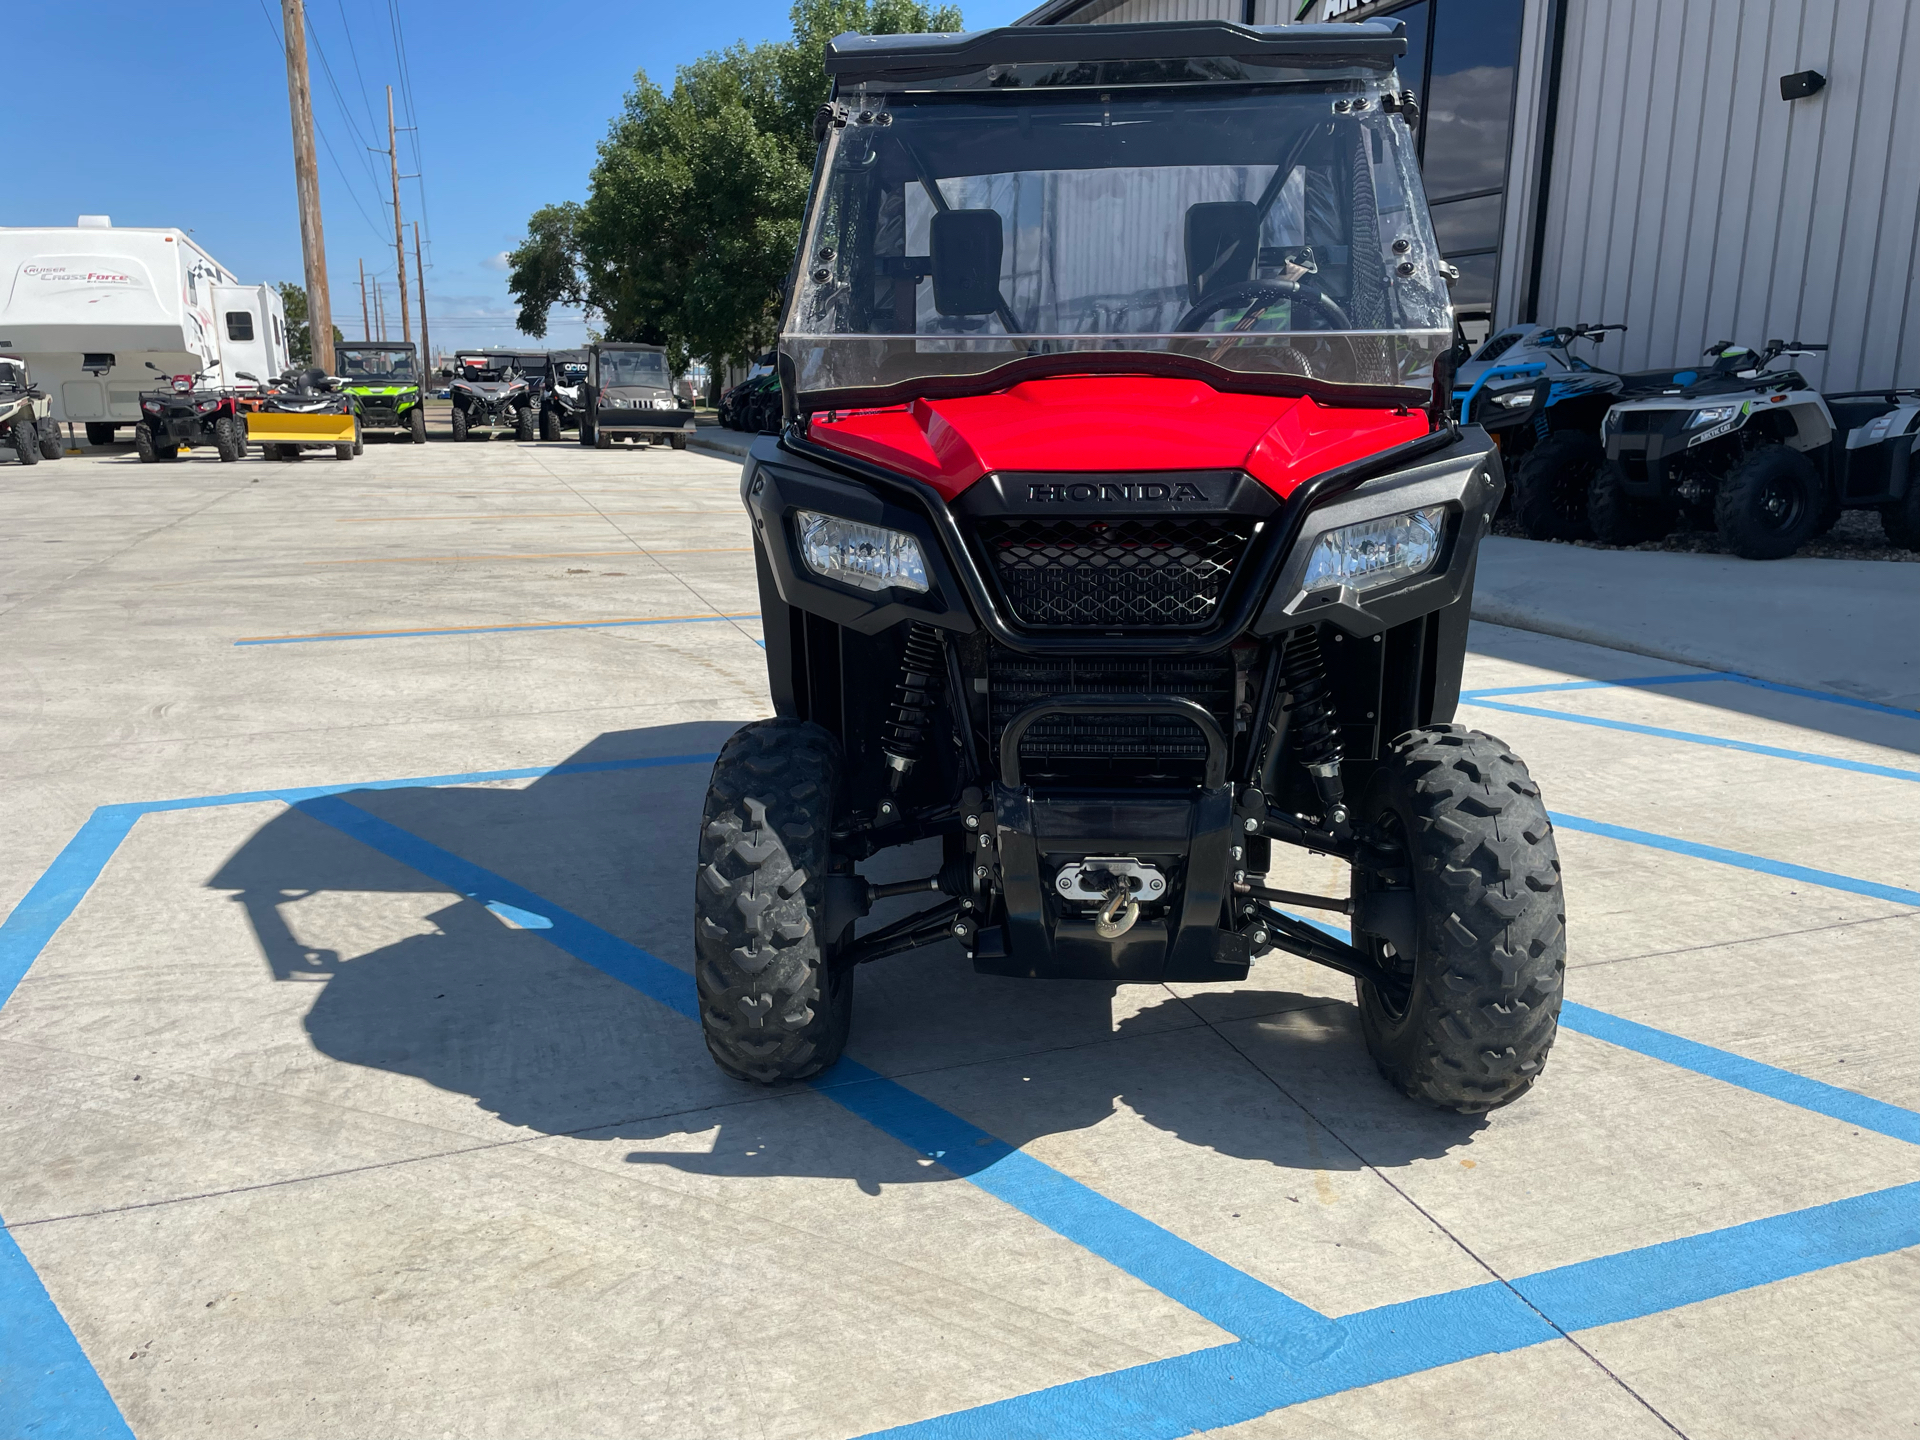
(1177, 1268)
(1730, 677)
(49, 1390)
(1848, 1106)
(1688, 679)
(63, 884)
(1806, 875)
(606, 952)
(1231, 1384)
(1180, 1270)
(1287, 1351)
(1805, 757)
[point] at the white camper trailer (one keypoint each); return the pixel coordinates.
(90, 306)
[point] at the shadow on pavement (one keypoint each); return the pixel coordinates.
(1576, 657)
(481, 1008)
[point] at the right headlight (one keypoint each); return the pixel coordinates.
(1711, 415)
(1378, 552)
(867, 557)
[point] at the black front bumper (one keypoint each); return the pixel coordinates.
(644, 422)
(1646, 457)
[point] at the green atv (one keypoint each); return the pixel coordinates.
(383, 377)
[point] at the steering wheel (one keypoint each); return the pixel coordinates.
(1258, 296)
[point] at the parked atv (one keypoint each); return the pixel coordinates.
(1747, 449)
(1879, 466)
(383, 377)
(307, 410)
(26, 415)
(189, 412)
(1543, 406)
(490, 392)
(562, 401)
(1109, 556)
(630, 396)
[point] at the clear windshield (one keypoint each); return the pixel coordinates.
(485, 367)
(386, 365)
(633, 367)
(1271, 231)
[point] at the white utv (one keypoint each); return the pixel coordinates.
(26, 415)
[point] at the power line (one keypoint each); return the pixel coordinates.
(340, 101)
(354, 50)
(413, 118)
(281, 43)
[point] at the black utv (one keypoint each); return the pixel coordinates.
(1112, 557)
(630, 395)
(563, 400)
(490, 392)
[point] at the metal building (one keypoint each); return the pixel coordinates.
(1700, 170)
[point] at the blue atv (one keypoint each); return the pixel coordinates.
(1543, 405)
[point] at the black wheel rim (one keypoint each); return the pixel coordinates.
(1781, 504)
(1388, 844)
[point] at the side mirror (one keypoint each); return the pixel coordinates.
(152, 366)
(1223, 244)
(246, 375)
(965, 247)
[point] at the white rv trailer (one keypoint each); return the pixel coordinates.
(89, 306)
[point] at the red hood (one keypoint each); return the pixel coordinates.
(1109, 424)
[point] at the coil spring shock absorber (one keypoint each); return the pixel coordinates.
(912, 713)
(1313, 722)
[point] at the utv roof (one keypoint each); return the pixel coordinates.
(373, 345)
(627, 345)
(1373, 43)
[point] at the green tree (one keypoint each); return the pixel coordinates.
(293, 299)
(693, 210)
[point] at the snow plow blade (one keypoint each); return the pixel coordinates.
(266, 427)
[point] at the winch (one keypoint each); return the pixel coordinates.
(1117, 884)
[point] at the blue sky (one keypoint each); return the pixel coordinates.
(172, 116)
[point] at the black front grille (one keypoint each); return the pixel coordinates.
(1114, 574)
(1635, 422)
(1109, 747)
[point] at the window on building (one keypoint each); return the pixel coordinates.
(239, 325)
(1462, 56)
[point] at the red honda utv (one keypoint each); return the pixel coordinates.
(1117, 529)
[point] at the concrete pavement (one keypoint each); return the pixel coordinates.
(375, 1113)
(1846, 625)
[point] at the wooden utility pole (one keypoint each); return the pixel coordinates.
(379, 309)
(366, 330)
(306, 175)
(420, 274)
(399, 244)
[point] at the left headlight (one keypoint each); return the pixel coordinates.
(1377, 552)
(867, 557)
(1515, 399)
(1711, 415)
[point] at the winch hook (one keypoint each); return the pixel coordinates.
(1117, 915)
